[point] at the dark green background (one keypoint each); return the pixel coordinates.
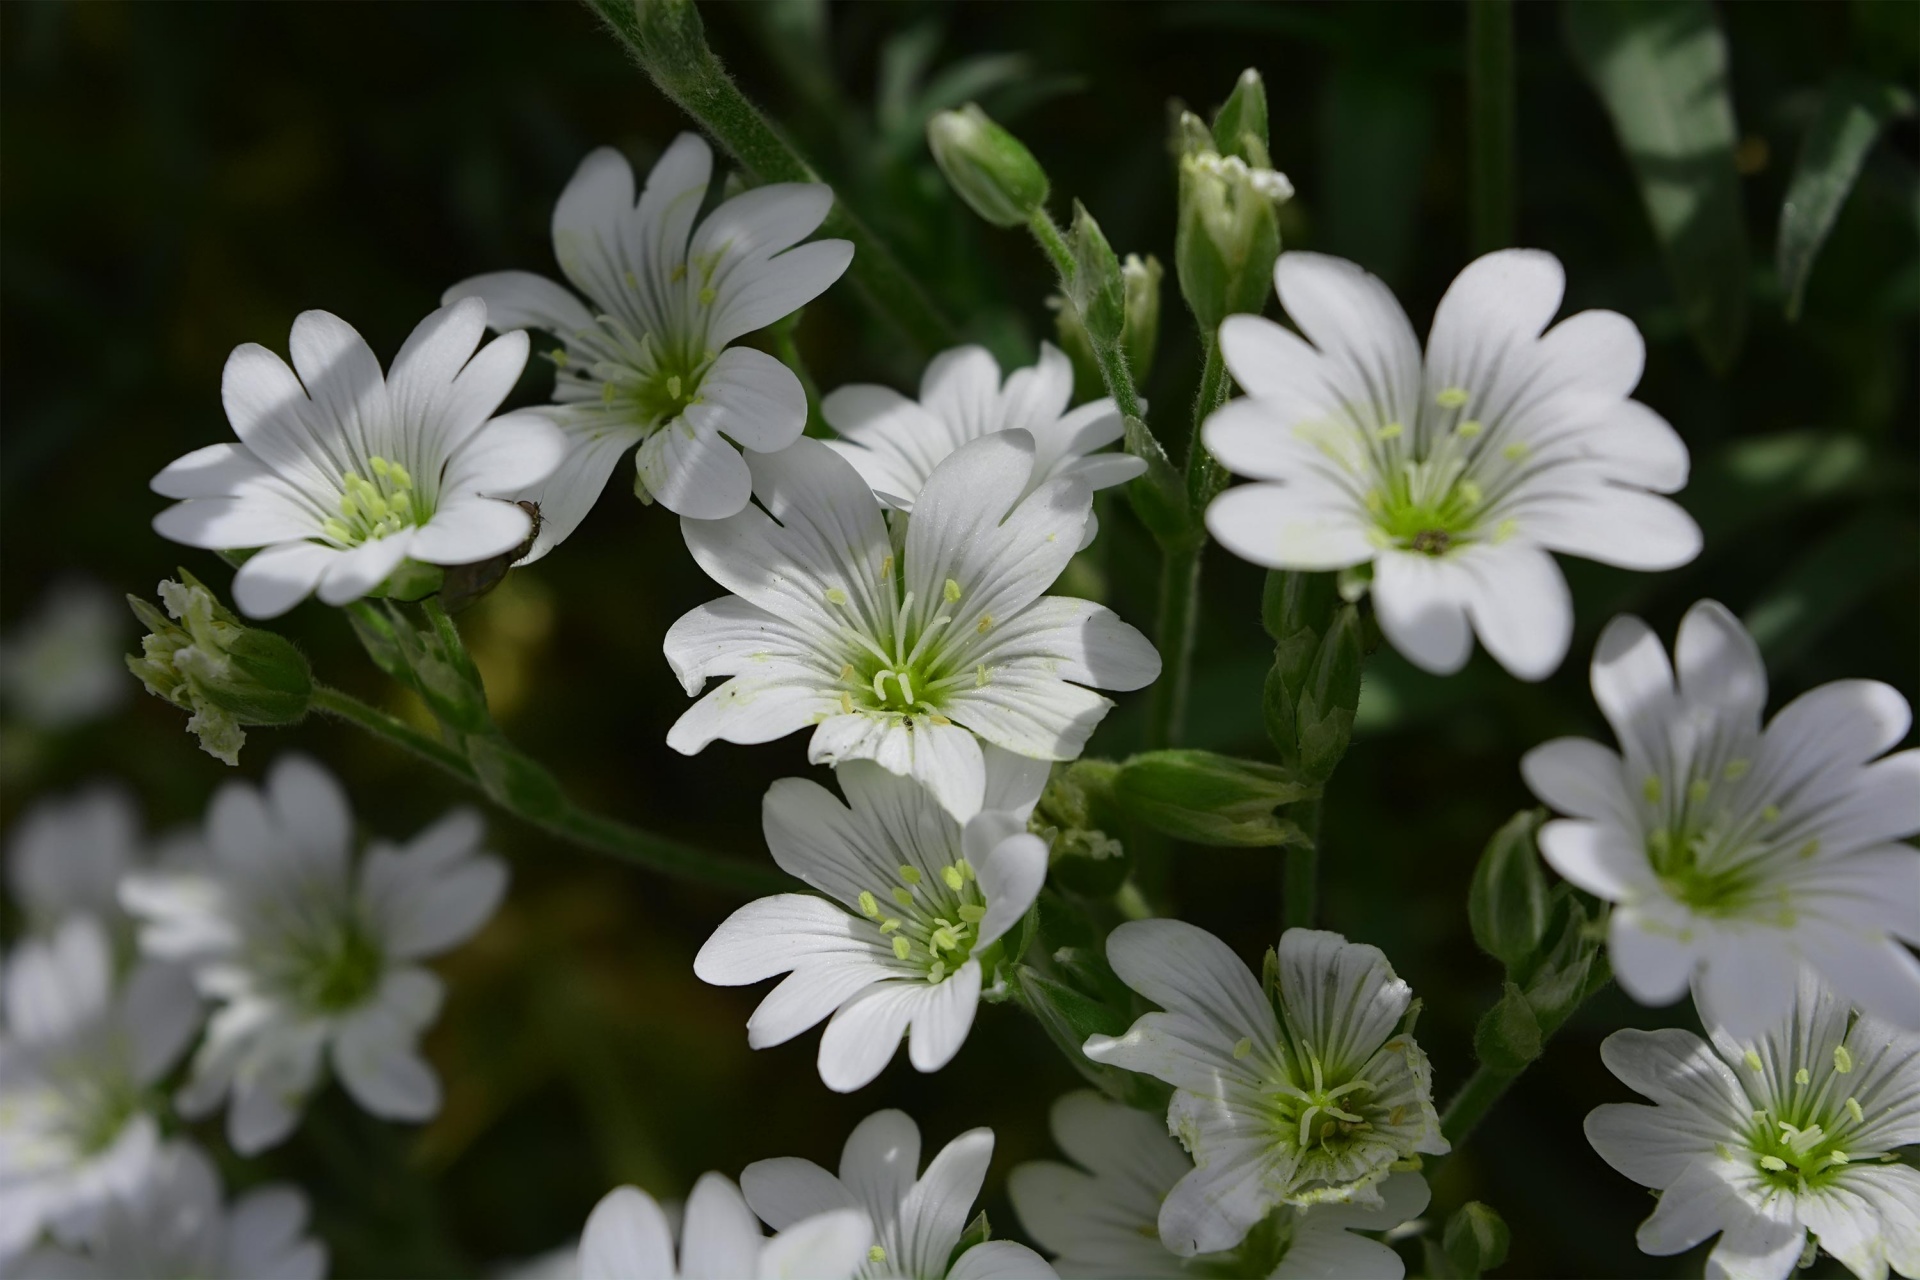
(183, 178)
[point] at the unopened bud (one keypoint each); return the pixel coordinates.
(1240, 127)
(990, 168)
(1507, 905)
(1140, 277)
(1476, 1239)
(1099, 292)
(1066, 816)
(1228, 235)
(200, 657)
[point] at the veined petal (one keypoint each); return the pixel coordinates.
(1010, 878)
(1361, 332)
(277, 579)
(879, 1163)
(627, 1237)
(262, 516)
(728, 637)
(569, 493)
(693, 472)
(777, 934)
(1213, 1207)
(787, 1190)
(860, 1040)
(1599, 857)
(1578, 776)
(469, 531)
(750, 709)
(1421, 602)
(591, 217)
(1024, 707)
(215, 471)
(753, 398)
(1626, 528)
(938, 1206)
(352, 574)
(890, 440)
(941, 1022)
(1719, 665)
(1079, 640)
(719, 1237)
(961, 388)
(1307, 525)
(945, 759)
(753, 298)
(1000, 1260)
(1633, 684)
(1651, 960)
(523, 300)
(830, 1244)
(1341, 997)
(1520, 606)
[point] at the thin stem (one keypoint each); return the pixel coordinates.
(667, 40)
(1205, 476)
(1174, 633)
(1300, 896)
(1490, 106)
(590, 830)
(1110, 356)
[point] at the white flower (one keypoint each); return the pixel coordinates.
(917, 902)
(628, 1237)
(918, 1218)
(1454, 477)
(66, 856)
(1762, 1141)
(310, 958)
(895, 443)
(1101, 1214)
(645, 360)
(63, 664)
(1302, 1095)
(341, 473)
(1734, 853)
(902, 650)
(76, 1059)
(176, 1223)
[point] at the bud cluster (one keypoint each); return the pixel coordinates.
(200, 657)
(1229, 233)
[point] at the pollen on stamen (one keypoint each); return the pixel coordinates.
(1515, 451)
(1392, 431)
(980, 676)
(966, 868)
(1753, 1060)
(876, 1254)
(1842, 1060)
(1698, 790)
(886, 569)
(846, 671)
(910, 874)
(836, 596)
(903, 896)
(1770, 814)
(1853, 1109)
(955, 881)
(1652, 790)
(937, 971)
(707, 295)
(902, 948)
(1451, 397)
(986, 623)
(846, 703)
(972, 912)
(1242, 1048)
(951, 591)
(1469, 429)
(1736, 770)
(1803, 1076)
(1809, 849)
(1774, 1163)
(890, 924)
(869, 905)
(559, 357)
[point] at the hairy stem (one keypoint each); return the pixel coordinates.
(668, 41)
(656, 853)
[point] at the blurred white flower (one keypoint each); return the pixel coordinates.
(918, 1218)
(645, 360)
(342, 473)
(901, 646)
(310, 957)
(628, 1237)
(63, 665)
(1761, 1141)
(1305, 1094)
(1733, 852)
(1454, 477)
(916, 899)
(1101, 1214)
(176, 1223)
(895, 443)
(66, 856)
(77, 1057)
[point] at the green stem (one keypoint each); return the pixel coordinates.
(1300, 897)
(668, 41)
(1174, 631)
(1490, 106)
(570, 822)
(1205, 476)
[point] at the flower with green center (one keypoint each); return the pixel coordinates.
(342, 473)
(910, 644)
(1762, 1140)
(1310, 1092)
(917, 902)
(311, 957)
(1450, 478)
(79, 1053)
(645, 360)
(1734, 852)
(1101, 1214)
(919, 1217)
(629, 1237)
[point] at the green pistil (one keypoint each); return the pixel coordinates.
(1319, 1113)
(374, 508)
(911, 676)
(657, 397)
(1698, 848)
(343, 970)
(1807, 1156)
(1431, 525)
(938, 918)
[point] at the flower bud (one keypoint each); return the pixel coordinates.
(1476, 1240)
(1140, 279)
(1240, 127)
(1210, 799)
(990, 168)
(202, 658)
(1228, 234)
(1507, 905)
(1066, 815)
(1313, 690)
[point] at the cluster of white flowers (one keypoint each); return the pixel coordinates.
(887, 590)
(259, 916)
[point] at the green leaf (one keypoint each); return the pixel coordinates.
(1507, 905)
(1210, 799)
(1853, 110)
(1660, 68)
(1069, 1018)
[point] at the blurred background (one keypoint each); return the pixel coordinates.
(183, 178)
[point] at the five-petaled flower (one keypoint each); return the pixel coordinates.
(1456, 476)
(645, 360)
(628, 1237)
(1734, 852)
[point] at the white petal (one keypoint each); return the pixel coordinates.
(1633, 684)
(314, 817)
(754, 299)
(1597, 856)
(774, 935)
(270, 412)
(719, 1238)
(469, 531)
(1214, 1206)
(941, 1022)
(523, 300)
(1491, 315)
(753, 398)
(1520, 606)
(787, 1190)
(352, 574)
(861, 1038)
(1000, 1260)
(893, 442)
(1745, 981)
(1697, 1205)
(1078, 640)
(1578, 776)
(211, 472)
(693, 472)
(1652, 963)
(879, 1163)
(748, 709)
(258, 518)
(277, 579)
(1343, 995)
(1359, 329)
(1719, 665)
(934, 1214)
(1010, 877)
(827, 1246)
(160, 1013)
(1304, 525)
(1211, 1003)
(1877, 974)
(1025, 707)
(1421, 602)
(1625, 528)
(341, 374)
(626, 1238)
(945, 759)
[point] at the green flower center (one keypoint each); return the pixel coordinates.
(654, 398)
(1712, 849)
(1433, 504)
(1316, 1111)
(99, 1104)
(1805, 1140)
(911, 669)
(932, 922)
(374, 508)
(339, 969)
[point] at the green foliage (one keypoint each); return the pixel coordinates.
(1660, 68)
(1207, 798)
(1509, 1035)
(1313, 690)
(1474, 1243)
(1853, 111)
(1507, 904)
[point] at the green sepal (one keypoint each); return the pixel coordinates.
(1240, 126)
(987, 167)
(1207, 798)
(1475, 1241)
(1099, 292)
(1507, 903)
(1509, 1035)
